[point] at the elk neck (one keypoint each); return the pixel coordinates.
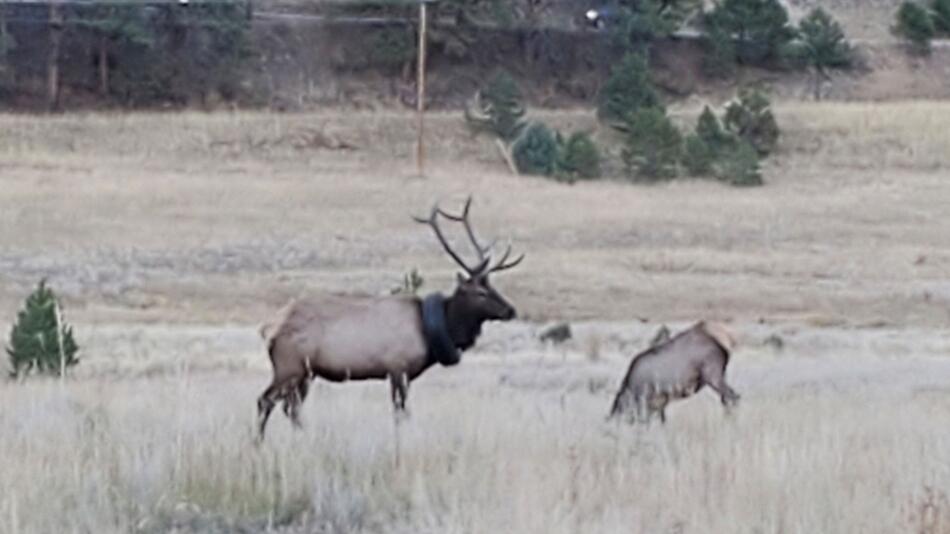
(463, 325)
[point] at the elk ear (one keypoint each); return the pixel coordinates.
(460, 278)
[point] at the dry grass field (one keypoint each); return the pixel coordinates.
(171, 237)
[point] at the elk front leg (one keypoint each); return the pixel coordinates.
(399, 389)
(265, 405)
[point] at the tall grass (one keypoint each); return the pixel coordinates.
(478, 455)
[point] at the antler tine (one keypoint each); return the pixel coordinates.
(481, 250)
(501, 265)
(433, 222)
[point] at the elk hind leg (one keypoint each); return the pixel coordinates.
(294, 399)
(716, 379)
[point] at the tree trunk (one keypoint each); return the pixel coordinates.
(817, 88)
(104, 65)
(52, 63)
(5, 70)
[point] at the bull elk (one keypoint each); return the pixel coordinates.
(676, 368)
(341, 338)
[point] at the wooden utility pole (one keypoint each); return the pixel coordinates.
(52, 61)
(421, 89)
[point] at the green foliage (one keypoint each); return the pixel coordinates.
(392, 47)
(739, 165)
(460, 37)
(578, 157)
(710, 131)
(714, 151)
(121, 24)
(822, 46)
(653, 144)
(628, 90)
(823, 41)
(636, 24)
(719, 60)
(750, 118)
(760, 27)
(411, 283)
(698, 156)
(940, 15)
(34, 340)
(498, 108)
(535, 151)
(915, 27)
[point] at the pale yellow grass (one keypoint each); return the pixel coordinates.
(496, 445)
(219, 218)
(172, 237)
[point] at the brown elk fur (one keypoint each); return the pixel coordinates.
(677, 369)
(345, 337)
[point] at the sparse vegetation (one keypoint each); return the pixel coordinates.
(39, 341)
(915, 26)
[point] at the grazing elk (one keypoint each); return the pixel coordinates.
(675, 369)
(342, 338)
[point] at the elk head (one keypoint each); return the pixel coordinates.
(474, 300)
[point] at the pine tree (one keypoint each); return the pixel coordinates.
(760, 27)
(578, 157)
(739, 165)
(627, 91)
(536, 150)
(719, 60)
(698, 156)
(116, 25)
(710, 130)
(915, 26)
(823, 46)
(653, 144)
(750, 118)
(940, 15)
(35, 343)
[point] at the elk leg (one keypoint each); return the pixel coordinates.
(717, 381)
(265, 405)
(294, 399)
(399, 389)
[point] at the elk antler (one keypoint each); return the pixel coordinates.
(482, 251)
(484, 258)
(501, 265)
(433, 222)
